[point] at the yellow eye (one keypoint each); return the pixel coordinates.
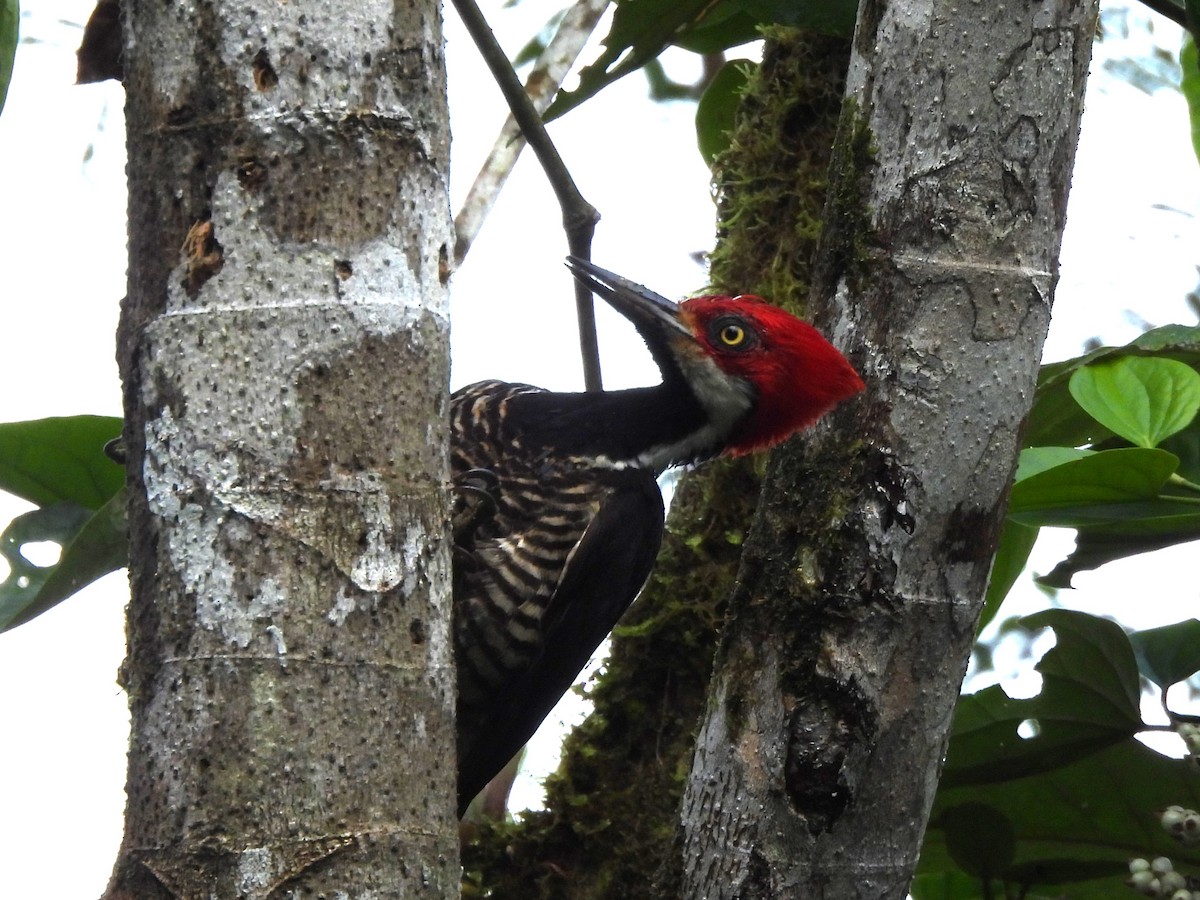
(732, 335)
(730, 332)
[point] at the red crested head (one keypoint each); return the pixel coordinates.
(796, 375)
(755, 373)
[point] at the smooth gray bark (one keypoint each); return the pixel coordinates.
(862, 581)
(284, 354)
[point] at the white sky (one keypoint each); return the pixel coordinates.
(1133, 242)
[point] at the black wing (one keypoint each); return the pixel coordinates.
(601, 578)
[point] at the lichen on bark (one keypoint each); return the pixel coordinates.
(286, 479)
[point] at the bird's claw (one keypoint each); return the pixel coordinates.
(478, 497)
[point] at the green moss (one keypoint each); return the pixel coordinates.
(784, 598)
(771, 182)
(848, 219)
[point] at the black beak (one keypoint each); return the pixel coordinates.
(654, 316)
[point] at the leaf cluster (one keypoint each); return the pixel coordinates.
(1113, 451)
(642, 29)
(1053, 791)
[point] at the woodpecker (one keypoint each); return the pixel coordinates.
(557, 514)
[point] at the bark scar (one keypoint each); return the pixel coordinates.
(203, 256)
(192, 874)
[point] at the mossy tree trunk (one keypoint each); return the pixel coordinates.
(863, 576)
(613, 805)
(285, 374)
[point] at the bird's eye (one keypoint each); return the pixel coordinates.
(731, 333)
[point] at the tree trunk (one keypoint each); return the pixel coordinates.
(284, 355)
(864, 573)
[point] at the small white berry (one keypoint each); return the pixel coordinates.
(1190, 830)
(1172, 817)
(1190, 732)
(1144, 883)
(1172, 882)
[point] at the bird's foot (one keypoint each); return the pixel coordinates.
(477, 498)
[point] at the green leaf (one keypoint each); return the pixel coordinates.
(1169, 654)
(716, 110)
(1186, 446)
(1078, 824)
(59, 524)
(1116, 518)
(834, 17)
(1057, 420)
(1189, 62)
(1180, 342)
(1079, 794)
(1034, 460)
(1146, 527)
(94, 544)
(1016, 543)
(1099, 487)
(979, 838)
(639, 32)
(1120, 501)
(49, 461)
(723, 28)
(950, 885)
(1088, 701)
(10, 26)
(1142, 399)
(642, 29)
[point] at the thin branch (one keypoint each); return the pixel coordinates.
(579, 216)
(1170, 9)
(543, 83)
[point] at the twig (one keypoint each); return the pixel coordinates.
(552, 66)
(1170, 9)
(579, 216)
